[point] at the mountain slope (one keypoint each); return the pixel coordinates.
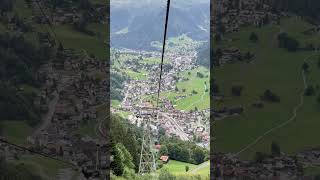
(145, 23)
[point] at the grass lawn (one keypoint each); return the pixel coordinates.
(123, 114)
(115, 103)
(22, 9)
(16, 131)
(154, 60)
(71, 38)
(46, 168)
(204, 171)
(201, 100)
(178, 168)
(80, 41)
(274, 69)
(142, 75)
(177, 43)
(312, 171)
(88, 128)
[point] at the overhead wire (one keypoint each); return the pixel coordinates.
(48, 21)
(38, 153)
(23, 147)
(162, 54)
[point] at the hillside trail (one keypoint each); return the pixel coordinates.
(46, 120)
(292, 118)
(200, 100)
(69, 174)
(201, 166)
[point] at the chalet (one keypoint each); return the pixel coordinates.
(164, 159)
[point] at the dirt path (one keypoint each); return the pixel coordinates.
(293, 117)
(46, 120)
(201, 99)
(201, 166)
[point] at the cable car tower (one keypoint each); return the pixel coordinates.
(147, 159)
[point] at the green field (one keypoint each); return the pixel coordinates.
(115, 103)
(275, 69)
(201, 100)
(178, 168)
(312, 171)
(16, 131)
(123, 114)
(141, 75)
(88, 129)
(45, 167)
(153, 60)
(179, 43)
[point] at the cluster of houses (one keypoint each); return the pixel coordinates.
(231, 15)
(96, 14)
(229, 55)
(74, 88)
(227, 166)
(221, 113)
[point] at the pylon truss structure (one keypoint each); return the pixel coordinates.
(147, 158)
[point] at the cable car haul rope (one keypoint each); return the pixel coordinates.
(147, 159)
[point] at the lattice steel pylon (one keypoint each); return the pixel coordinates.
(147, 159)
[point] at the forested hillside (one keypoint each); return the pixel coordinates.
(126, 143)
(20, 61)
(135, 25)
(203, 58)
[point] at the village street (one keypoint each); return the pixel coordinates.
(177, 127)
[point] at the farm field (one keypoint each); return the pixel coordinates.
(281, 72)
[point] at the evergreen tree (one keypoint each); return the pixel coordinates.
(253, 37)
(275, 149)
(198, 155)
(163, 151)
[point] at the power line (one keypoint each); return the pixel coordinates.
(48, 20)
(35, 152)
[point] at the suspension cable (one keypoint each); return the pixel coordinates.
(35, 152)
(48, 21)
(162, 54)
(23, 147)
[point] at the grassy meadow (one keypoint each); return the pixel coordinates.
(275, 69)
